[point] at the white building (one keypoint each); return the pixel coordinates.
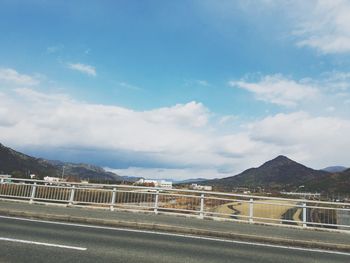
(50, 179)
(5, 177)
(201, 187)
(143, 181)
(165, 184)
(155, 183)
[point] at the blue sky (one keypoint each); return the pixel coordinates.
(176, 88)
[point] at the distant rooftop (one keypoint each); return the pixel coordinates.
(5, 176)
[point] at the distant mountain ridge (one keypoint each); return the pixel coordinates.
(191, 180)
(174, 181)
(335, 169)
(21, 165)
(279, 173)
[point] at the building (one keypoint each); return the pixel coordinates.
(201, 187)
(51, 180)
(146, 182)
(155, 183)
(5, 178)
(302, 194)
(165, 184)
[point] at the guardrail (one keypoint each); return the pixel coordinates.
(202, 204)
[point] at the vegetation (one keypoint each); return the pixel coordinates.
(240, 210)
(20, 165)
(282, 173)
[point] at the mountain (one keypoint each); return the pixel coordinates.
(21, 165)
(331, 183)
(191, 180)
(335, 169)
(174, 181)
(277, 174)
(84, 171)
(131, 179)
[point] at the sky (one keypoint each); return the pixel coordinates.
(176, 89)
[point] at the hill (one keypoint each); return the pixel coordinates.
(21, 165)
(277, 174)
(190, 181)
(335, 169)
(331, 183)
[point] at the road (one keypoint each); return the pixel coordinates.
(273, 232)
(38, 241)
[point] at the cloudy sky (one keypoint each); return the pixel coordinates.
(176, 89)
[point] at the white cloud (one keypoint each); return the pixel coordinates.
(330, 108)
(192, 114)
(58, 120)
(83, 68)
(179, 136)
(322, 140)
(324, 25)
(337, 81)
(184, 139)
(227, 119)
(278, 89)
(11, 76)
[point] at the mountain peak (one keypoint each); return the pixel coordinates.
(278, 173)
(280, 160)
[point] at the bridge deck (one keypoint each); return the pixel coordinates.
(175, 222)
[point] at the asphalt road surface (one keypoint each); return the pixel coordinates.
(35, 241)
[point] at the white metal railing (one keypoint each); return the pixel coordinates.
(202, 204)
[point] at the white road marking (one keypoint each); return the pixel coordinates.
(181, 235)
(40, 243)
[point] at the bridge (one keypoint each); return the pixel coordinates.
(168, 222)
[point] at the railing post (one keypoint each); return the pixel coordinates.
(201, 211)
(304, 215)
(251, 210)
(156, 203)
(32, 195)
(114, 194)
(71, 197)
(2, 180)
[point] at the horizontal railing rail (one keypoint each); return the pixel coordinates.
(202, 204)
